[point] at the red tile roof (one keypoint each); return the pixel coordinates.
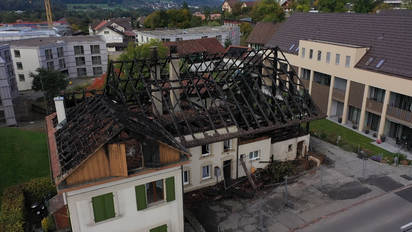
(208, 45)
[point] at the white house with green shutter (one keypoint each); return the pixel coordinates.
(114, 173)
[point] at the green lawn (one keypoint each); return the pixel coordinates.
(332, 130)
(23, 156)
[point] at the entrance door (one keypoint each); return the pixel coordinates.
(299, 149)
(227, 172)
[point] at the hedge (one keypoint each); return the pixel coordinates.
(14, 199)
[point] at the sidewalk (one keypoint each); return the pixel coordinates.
(313, 196)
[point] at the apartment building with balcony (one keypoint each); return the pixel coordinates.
(8, 87)
(356, 67)
(76, 56)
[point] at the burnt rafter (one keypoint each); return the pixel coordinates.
(189, 96)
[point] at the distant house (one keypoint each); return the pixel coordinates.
(228, 5)
(261, 34)
(200, 15)
(117, 33)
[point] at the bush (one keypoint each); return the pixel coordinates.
(12, 210)
(278, 170)
(47, 224)
(36, 190)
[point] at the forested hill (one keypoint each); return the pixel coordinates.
(39, 4)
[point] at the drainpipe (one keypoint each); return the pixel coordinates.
(237, 159)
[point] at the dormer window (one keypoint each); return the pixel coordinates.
(227, 145)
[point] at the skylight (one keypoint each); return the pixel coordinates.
(291, 47)
(380, 63)
(369, 61)
(297, 49)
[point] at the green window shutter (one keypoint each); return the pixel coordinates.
(103, 207)
(170, 189)
(162, 228)
(141, 197)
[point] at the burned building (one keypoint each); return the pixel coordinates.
(156, 115)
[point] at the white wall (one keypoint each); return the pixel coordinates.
(111, 37)
(128, 218)
(29, 57)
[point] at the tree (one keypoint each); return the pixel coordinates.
(407, 4)
(364, 6)
(245, 30)
(228, 42)
(301, 5)
(268, 11)
(49, 82)
(331, 5)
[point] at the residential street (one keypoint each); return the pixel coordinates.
(347, 195)
(387, 213)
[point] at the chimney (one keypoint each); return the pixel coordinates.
(61, 112)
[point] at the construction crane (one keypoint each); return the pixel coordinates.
(48, 13)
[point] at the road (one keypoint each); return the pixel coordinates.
(384, 214)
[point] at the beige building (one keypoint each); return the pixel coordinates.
(359, 75)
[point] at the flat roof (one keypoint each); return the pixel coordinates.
(35, 42)
(194, 30)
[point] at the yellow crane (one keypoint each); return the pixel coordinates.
(48, 13)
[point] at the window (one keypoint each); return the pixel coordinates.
(206, 172)
(380, 63)
(81, 72)
(319, 55)
(227, 145)
(95, 49)
(327, 57)
(162, 228)
(97, 71)
(50, 65)
(305, 74)
(219, 38)
(369, 61)
(179, 39)
(186, 177)
(80, 61)
(290, 147)
(310, 53)
(96, 60)
(19, 65)
(106, 32)
(21, 77)
(60, 52)
(204, 37)
(78, 50)
(337, 59)
(205, 150)
(7, 56)
(49, 54)
(16, 53)
(103, 207)
(62, 64)
(347, 62)
(153, 192)
(254, 155)
(303, 52)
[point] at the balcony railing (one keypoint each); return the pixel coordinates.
(338, 94)
(398, 113)
(374, 106)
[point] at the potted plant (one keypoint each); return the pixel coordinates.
(367, 131)
(340, 119)
(383, 138)
(354, 126)
(374, 135)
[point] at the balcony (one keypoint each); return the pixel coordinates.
(400, 114)
(374, 106)
(338, 94)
